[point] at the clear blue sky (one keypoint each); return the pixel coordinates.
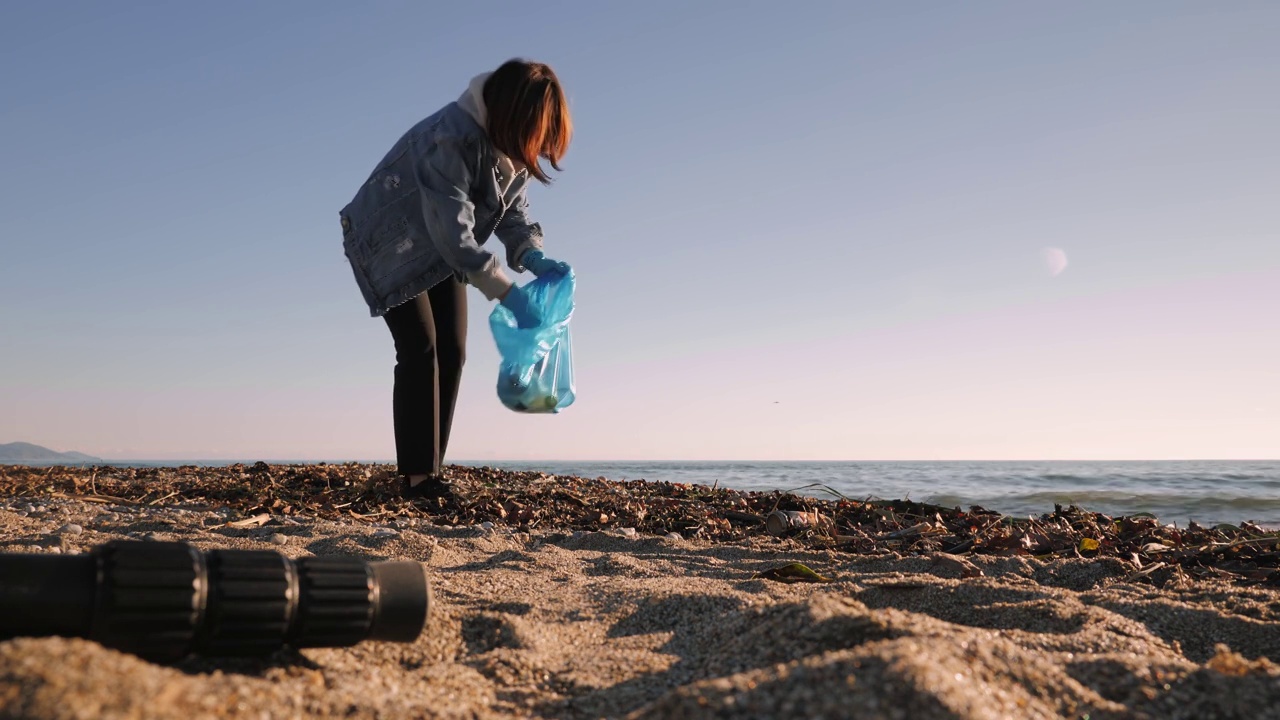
(843, 208)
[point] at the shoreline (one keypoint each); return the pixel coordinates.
(1244, 553)
(1177, 492)
(544, 610)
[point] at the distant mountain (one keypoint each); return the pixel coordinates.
(21, 453)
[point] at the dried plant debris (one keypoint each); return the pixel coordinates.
(1244, 553)
(792, 573)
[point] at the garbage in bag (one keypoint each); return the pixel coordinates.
(536, 370)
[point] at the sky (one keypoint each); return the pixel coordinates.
(821, 230)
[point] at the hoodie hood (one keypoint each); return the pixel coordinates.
(472, 102)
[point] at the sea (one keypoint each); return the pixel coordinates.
(1208, 492)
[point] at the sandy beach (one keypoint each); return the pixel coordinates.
(549, 610)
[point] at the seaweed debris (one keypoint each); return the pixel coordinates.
(1244, 554)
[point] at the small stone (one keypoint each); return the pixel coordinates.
(151, 536)
(628, 532)
(674, 536)
(56, 550)
(486, 525)
(278, 539)
(70, 529)
(385, 533)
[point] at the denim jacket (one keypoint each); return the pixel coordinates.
(430, 204)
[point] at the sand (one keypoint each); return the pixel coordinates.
(627, 625)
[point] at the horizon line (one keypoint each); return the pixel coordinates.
(475, 463)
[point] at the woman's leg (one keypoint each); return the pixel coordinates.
(449, 312)
(416, 397)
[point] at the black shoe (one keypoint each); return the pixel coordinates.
(431, 488)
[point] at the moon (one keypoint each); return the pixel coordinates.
(1055, 260)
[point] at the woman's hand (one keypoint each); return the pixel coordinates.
(538, 264)
(526, 313)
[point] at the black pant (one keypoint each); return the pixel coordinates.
(430, 334)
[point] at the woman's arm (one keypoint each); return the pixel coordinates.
(443, 176)
(517, 232)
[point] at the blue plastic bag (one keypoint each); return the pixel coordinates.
(536, 370)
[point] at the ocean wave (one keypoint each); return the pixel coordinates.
(1108, 497)
(1167, 506)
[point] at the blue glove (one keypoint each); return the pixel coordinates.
(517, 301)
(538, 264)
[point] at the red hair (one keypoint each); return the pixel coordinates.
(528, 115)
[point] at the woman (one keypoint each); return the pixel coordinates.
(413, 235)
